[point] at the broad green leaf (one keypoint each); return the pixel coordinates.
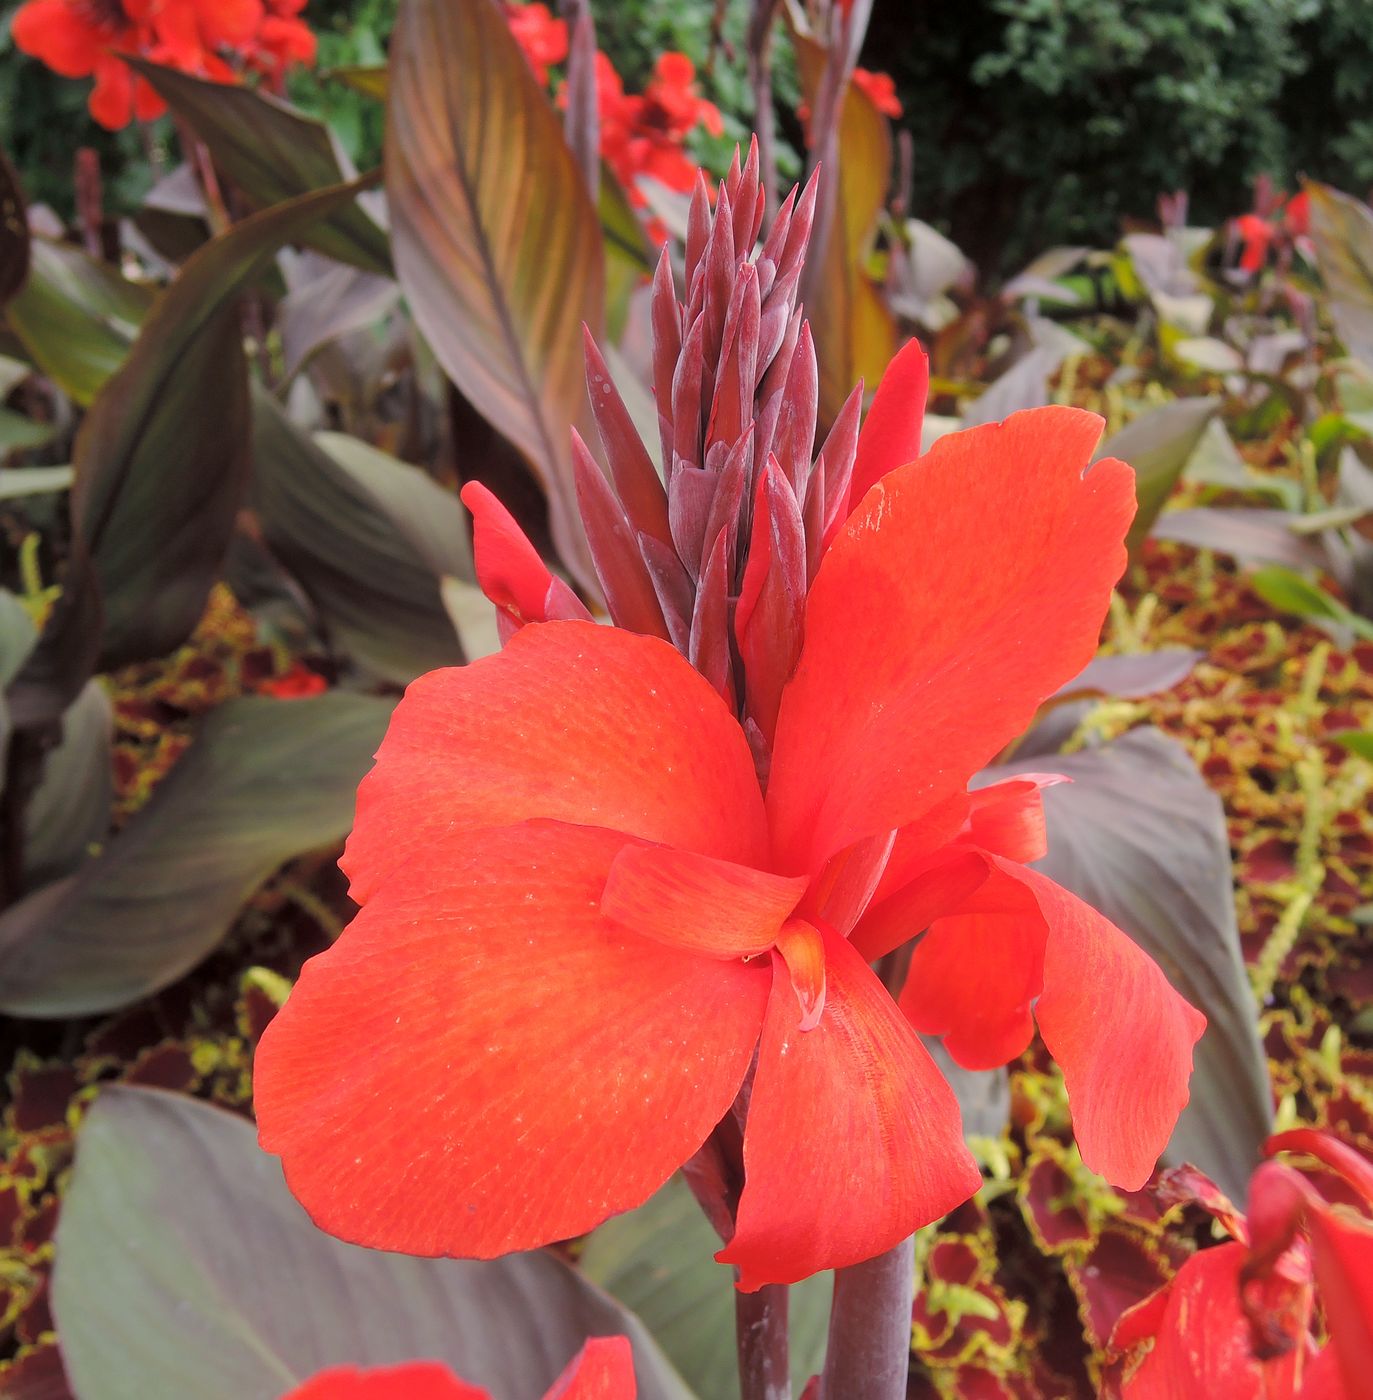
(264, 780)
(1291, 592)
(1217, 462)
(1158, 445)
(77, 318)
(20, 434)
(1205, 352)
(33, 481)
(496, 241)
(1342, 230)
(327, 303)
(1357, 741)
(272, 153)
(69, 811)
(15, 241)
(1132, 676)
(659, 1262)
(1250, 533)
(184, 1267)
(162, 457)
(1139, 836)
(368, 538)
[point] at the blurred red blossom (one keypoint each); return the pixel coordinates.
(602, 1370)
(542, 37)
(1238, 1318)
(295, 684)
(646, 134)
(86, 38)
(880, 89)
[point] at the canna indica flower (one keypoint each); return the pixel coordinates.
(621, 887)
(585, 927)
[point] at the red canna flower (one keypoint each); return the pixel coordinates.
(618, 881)
(85, 38)
(602, 1370)
(542, 38)
(1236, 1320)
(645, 135)
(295, 684)
(880, 90)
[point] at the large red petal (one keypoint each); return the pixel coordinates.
(983, 1015)
(482, 1063)
(965, 589)
(412, 1380)
(891, 432)
(696, 902)
(573, 722)
(853, 1139)
(1122, 1036)
(52, 30)
(602, 1370)
(1203, 1343)
(1343, 1251)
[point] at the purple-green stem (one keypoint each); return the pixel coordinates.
(760, 1327)
(869, 1350)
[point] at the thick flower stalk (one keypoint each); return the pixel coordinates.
(621, 885)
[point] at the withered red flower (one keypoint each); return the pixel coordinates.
(602, 1370)
(1238, 1319)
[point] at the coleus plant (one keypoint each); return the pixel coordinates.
(622, 887)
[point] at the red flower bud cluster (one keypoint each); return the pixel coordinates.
(217, 39)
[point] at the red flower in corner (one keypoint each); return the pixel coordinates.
(582, 920)
(1236, 1320)
(602, 1370)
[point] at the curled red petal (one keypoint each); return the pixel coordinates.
(891, 432)
(1356, 1169)
(984, 1016)
(857, 1099)
(483, 1063)
(509, 569)
(802, 948)
(1122, 1036)
(1007, 818)
(572, 722)
(944, 884)
(696, 902)
(964, 590)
